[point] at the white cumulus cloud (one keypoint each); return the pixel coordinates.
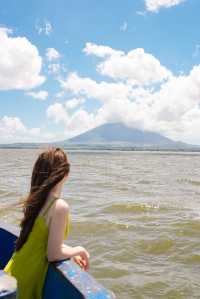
(100, 51)
(20, 63)
(52, 54)
(12, 130)
(155, 5)
(73, 103)
(88, 87)
(57, 113)
(137, 66)
(74, 122)
(39, 95)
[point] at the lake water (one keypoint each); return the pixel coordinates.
(137, 213)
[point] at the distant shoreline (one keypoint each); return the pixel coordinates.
(100, 148)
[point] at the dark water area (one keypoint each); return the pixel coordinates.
(137, 213)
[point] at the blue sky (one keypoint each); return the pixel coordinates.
(68, 67)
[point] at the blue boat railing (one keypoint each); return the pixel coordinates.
(64, 279)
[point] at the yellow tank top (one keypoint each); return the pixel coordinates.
(29, 264)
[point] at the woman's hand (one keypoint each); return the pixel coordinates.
(79, 261)
(82, 259)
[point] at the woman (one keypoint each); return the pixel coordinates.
(44, 227)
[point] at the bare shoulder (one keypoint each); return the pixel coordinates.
(58, 211)
(61, 206)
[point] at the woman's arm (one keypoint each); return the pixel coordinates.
(56, 249)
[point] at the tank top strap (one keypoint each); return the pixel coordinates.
(49, 205)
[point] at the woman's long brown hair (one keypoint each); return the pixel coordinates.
(49, 169)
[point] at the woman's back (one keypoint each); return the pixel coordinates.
(29, 264)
